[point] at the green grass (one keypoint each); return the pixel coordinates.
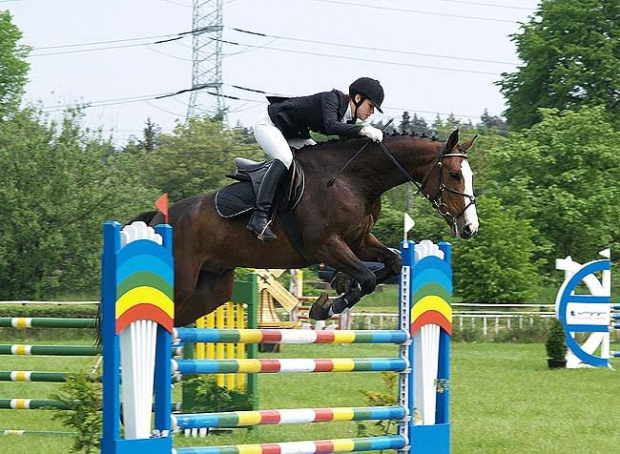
(384, 299)
(503, 400)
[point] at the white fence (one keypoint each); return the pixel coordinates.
(487, 316)
(490, 319)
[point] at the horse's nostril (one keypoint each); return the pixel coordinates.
(467, 230)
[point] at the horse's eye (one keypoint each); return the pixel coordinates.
(455, 175)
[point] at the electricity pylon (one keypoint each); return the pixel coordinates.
(207, 99)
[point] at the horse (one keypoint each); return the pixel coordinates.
(334, 220)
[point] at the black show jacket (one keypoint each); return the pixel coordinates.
(321, 112)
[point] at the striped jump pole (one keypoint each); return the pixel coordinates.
(46, 433)
(48, 350)
(306, 447)
(289, 336)
(33, 404)
(425, 325)
(262, 366)
(290, 416)
(42, 322)
(27, 375)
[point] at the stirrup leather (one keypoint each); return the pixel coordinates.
(261, 235)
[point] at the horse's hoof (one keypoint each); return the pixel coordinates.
(341, 283)
(320, 308)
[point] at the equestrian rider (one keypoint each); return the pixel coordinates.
(287, 123)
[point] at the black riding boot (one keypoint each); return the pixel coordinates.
(259, 222)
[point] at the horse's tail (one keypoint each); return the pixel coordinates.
(145, 217)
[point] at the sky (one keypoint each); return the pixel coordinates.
(432, 56)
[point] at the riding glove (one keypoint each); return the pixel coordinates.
(372, 133)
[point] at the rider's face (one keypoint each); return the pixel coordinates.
(365, 110)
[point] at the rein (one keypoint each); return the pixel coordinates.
(437, 202)
(331, 181)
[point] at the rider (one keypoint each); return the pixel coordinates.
(288, 122)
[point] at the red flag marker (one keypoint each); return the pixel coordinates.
(162, 205)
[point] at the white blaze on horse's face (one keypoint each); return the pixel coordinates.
(468, 224)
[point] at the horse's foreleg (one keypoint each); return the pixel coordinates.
(212, 290)
(338, 255)
(371, 250)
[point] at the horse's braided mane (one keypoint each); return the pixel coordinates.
(362, 140)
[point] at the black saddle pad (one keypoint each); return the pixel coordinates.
(235, 199)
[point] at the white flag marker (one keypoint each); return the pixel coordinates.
(409, 223)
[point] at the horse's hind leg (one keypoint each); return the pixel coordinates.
(212, 290)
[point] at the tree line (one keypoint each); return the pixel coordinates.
(546, 176)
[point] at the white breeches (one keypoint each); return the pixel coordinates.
(273, 142)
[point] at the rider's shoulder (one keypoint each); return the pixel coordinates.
(334, 96)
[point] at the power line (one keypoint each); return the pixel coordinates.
(102, 103)
(403, 10)
(154, 97)
(78, 51)
(368, 60)
(168, 55)
(177, 36)
(113, 41)
(489, 4)
(174, 114)
(178, 4)
(351, 46)
(160, 40)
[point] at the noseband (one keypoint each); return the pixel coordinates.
(437, 201)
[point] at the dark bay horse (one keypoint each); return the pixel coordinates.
(335, 222)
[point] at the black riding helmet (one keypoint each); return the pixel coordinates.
(369, 89)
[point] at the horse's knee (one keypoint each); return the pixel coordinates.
(395, 264)
(368, 282)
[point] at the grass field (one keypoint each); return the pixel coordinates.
(504, 400)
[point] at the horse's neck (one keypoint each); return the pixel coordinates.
(371, 172)
(378, 173)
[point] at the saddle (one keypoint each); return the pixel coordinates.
(239, 198)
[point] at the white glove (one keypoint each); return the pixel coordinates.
(372, 133)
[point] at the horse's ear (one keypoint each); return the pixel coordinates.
(453, 140)
(470, 143)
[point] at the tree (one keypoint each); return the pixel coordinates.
(150, 136)
(419, 125)
(452, 123)
(195, 158)
(389, 227)
(437, 125)
(493, 123)
(149, 140)
(570, 55)
(58, 185)
(405, 123)
(562, 175)
(498, 264)
(13, 67)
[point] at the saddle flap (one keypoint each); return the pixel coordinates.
(236, 200)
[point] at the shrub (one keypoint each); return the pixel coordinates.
(556, 345)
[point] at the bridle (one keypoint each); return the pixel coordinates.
(437, 202)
